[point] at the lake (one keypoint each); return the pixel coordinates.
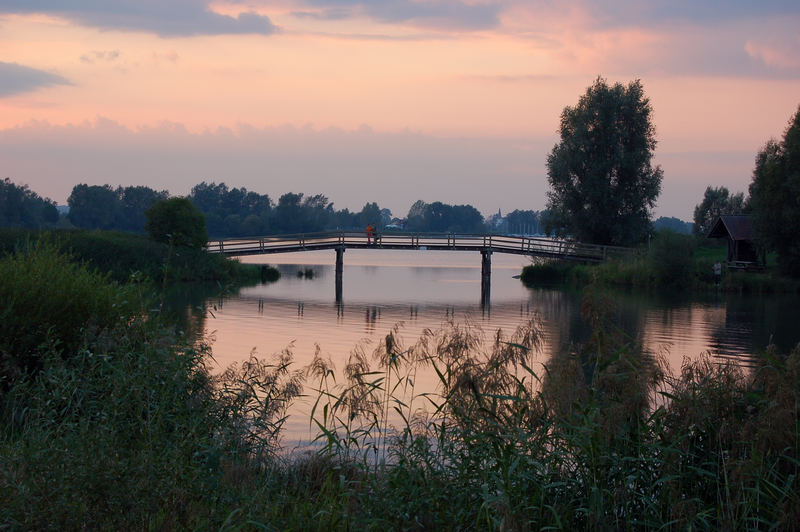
(419, 290)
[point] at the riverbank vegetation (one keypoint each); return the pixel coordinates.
(116, 422)
(672, 262)
(123, 255)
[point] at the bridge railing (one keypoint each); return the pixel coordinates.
(393, 240)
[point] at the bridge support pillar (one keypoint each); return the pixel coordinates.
(486, 276)
(339, 268)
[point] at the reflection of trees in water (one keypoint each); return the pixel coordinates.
(372, 315)
(608, 368)
(561, 319)
(757, 321)
(290, 271)
(730, 326)
(186, 305)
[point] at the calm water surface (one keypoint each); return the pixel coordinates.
(424, 289)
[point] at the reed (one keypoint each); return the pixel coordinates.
(601, 438)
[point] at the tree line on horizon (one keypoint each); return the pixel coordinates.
(235, 212)
(238, 212)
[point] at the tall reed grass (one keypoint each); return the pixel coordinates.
(599, 438)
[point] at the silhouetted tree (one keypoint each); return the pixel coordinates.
(370, 214)
(523, 222)
(716, 202)
(232, 212)
(21, 207)
(602, 183)
(673, 224)
(177, 221)
(441, 217)
(415, 220)
(288, 213)
(466, 219)
(317, 212)
(344, 219)
(103, 207)
(93, 206)
(774, 195)
(133, 202)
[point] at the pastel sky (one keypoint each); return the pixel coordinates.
(384, 100)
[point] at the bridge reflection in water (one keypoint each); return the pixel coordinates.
(485, 244)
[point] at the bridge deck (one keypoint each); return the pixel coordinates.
(519, 245)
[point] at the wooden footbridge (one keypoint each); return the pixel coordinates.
(485, 244)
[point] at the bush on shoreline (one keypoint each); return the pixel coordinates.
(125, 254)
(673, 262)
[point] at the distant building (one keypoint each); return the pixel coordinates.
(743, 249)
(396, 224)
(497, 222)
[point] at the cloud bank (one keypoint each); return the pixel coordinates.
(449, 14)
(173, 18)
(17, 79)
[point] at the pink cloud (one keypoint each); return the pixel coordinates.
(780, 55)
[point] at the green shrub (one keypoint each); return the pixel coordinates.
(51, 302)
(671, 258)
(178, 222)
(546, 272)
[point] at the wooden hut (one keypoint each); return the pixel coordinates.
(743, 250)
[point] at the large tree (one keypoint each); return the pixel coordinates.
(103, 207)
(21, 207)
(603, 185)
(774, 196)
(93, 206)
(523, 222)
(133, 202)
(716, 202)
(232, 212)
(370, 215)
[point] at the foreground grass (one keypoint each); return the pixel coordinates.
(121, 426)
(109, 417)
(125, 254)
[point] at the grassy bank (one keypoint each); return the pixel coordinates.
(126, 254)
(112, 421)
(672, 262)
(109, 417)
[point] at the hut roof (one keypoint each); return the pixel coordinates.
(735, 226)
